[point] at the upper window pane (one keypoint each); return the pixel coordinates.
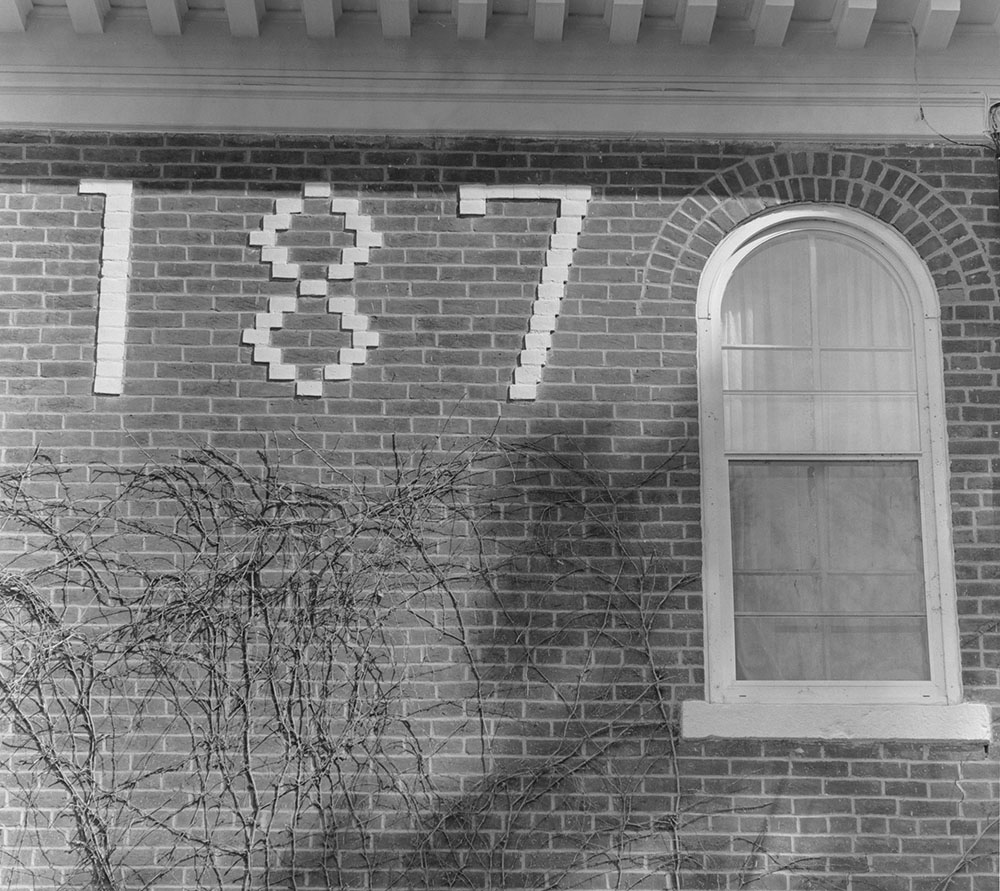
(790, 281)
(817, 351)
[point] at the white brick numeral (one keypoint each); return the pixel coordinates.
(112, 293)
(350, 319)
(572, 208)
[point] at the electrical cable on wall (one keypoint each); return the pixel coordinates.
(992, 119)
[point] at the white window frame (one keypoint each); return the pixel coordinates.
(924, 709)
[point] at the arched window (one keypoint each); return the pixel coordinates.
(828, 571)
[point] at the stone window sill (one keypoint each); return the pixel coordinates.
(967, 722)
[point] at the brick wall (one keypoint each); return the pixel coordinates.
(576, 677)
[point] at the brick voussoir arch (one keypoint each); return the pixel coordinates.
(689, 234)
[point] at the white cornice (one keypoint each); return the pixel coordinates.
(128, 78)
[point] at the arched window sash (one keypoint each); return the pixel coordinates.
(828, 557)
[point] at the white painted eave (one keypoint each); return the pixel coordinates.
(128, 78)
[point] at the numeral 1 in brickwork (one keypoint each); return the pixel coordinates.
(112, 294)
(572, 208)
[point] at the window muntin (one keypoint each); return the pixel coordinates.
(817, 405)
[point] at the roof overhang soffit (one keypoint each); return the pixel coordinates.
(474, 70)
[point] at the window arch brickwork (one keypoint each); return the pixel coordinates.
(914, 207)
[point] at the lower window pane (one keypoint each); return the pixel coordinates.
(828, 571)
(825, 649)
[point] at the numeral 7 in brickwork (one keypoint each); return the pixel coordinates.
(572, 209)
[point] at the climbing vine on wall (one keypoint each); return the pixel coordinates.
(273, 675)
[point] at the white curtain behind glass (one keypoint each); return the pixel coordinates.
(817, 352)
(818, 362)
